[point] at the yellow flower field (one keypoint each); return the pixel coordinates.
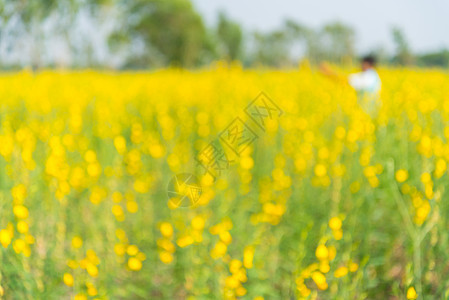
(322, 202)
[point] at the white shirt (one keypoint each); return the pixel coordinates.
(365, 81)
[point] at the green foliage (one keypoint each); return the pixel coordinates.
(160, 33)
(338, 41)
(170, 29)
(403, 54)
(333, 42)
(271, 49)
(434, 59)
(230, 38)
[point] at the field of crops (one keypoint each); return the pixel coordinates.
(313, 198)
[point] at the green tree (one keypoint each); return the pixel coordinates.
(300, 38)
(38, 20)
(230, 38)
(403, 54)
(171, 32)
(29, 17)
(271, 49)
(434, 59)
(337, 40)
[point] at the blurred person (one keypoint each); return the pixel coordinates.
(367, 84)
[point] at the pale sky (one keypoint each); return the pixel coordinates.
(425, 23)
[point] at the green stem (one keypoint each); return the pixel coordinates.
(417, 267)
(414, 235)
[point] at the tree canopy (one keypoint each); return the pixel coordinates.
(159, 33)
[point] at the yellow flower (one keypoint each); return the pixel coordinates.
(354, 187)
(22, 227)
(353, 267)
(94, 170)
(92, 257)
(73, 264)
(119, 249)
(241, 275)
(20, 211)
(411, 293)
(166, 257)
(134, 264)
(77, 242)
(303, 289)
(340, 132)
(117, 197)
(132, 206)
(248, 256)
(120, 144)
(5, 237)
(29, 239)
(338, 234)
(335, 223)
(240, 291)
(225, 237)
(324, 267)
(198, 223)
(426, 177)
(332, 252)
(157, 151)
(166, 229)
(440, 167)
(92, 291)
(90, 156)
(19, 192)
(97, 195)
(68, 279)
(322, 252)
(166, 244)
(117, 210)
(320, 170)
(141, 256)
(401, 175)
(340, 272)
(141, 186)
(185, 241)
(91, 269)
(219, 250)
(19, 245)
(320, 280)
(132, 250)
(246, 162)
(232, 282)
(121, 234)
(80, 297)
(235, 265)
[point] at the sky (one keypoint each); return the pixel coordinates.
(425, 23)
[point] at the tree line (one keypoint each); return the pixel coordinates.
(158, 33)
